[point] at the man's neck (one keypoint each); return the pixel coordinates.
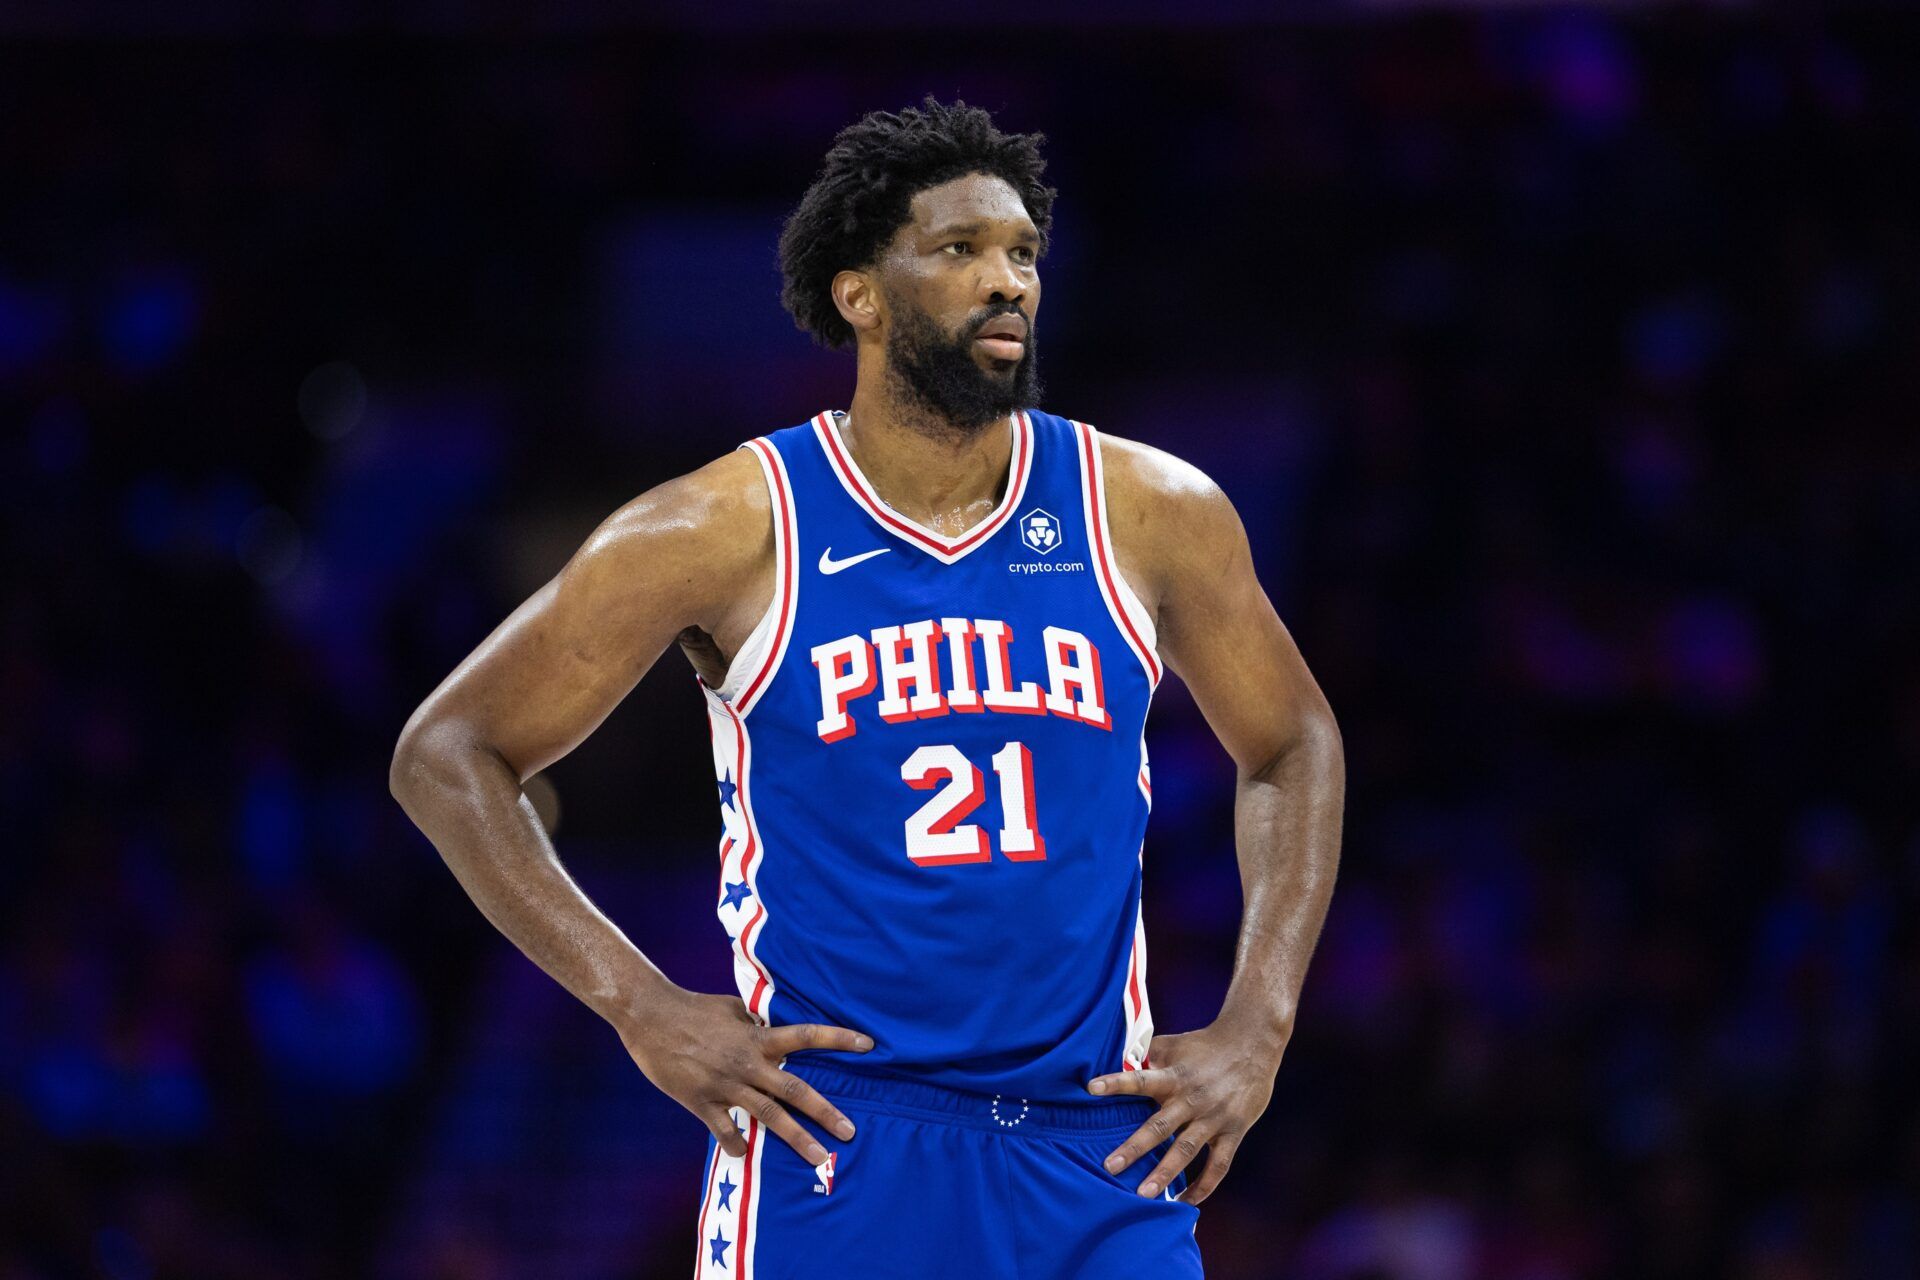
(922, 467)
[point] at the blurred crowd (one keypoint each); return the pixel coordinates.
(1561, 365)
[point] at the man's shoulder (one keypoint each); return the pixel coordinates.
(709, 529)
(720, 514)
(727, 495)
(1164, 513)
(1140, 474)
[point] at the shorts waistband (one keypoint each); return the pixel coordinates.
(999, 1113)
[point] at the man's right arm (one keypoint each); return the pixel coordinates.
(693, 552)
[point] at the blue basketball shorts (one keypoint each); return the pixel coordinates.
(941, 1184)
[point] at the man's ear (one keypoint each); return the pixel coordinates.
(858, 300)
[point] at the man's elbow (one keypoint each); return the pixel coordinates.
(404, 770)
(420, 758)
(1311, 743)
(1323, 730)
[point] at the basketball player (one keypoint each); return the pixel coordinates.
(926, 629)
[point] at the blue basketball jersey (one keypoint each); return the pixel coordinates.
(933, 780)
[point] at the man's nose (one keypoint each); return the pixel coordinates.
(1001, 280)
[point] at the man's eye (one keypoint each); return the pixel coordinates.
(958, 244)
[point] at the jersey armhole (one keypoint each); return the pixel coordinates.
(752, 669)
(753, 653)
(1129, 615)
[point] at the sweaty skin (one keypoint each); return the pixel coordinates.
(691, 560)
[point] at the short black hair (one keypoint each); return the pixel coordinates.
(863, 192)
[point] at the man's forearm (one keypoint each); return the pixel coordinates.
(1287, 819)
(468, 802)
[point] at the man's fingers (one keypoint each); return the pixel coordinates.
(1156, 1083)
(775, 1118)
(1219, 1156)
(798, 1094)
(1179, 1155)
(1159, 1126)
(796, 1036)
(719, 1122)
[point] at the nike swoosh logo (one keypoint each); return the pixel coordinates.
(829, 565)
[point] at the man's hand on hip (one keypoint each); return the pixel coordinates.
(709, 1054)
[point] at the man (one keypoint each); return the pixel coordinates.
(927, 630)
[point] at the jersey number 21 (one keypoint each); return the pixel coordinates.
(935, 835)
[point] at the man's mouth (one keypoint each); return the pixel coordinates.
(1004, 336)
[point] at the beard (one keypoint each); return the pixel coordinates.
(937, 373)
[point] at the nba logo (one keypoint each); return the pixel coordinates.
(824, 1172)
(1039, 531)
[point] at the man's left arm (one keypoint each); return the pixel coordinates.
(1182, 547)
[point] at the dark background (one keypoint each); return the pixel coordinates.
(1562, 365)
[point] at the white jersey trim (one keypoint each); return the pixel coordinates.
(754, 651)
(945, 550)
(1129, 615)
(753, 668)
(742, 849)
(741, 853)
(1135, 1004)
